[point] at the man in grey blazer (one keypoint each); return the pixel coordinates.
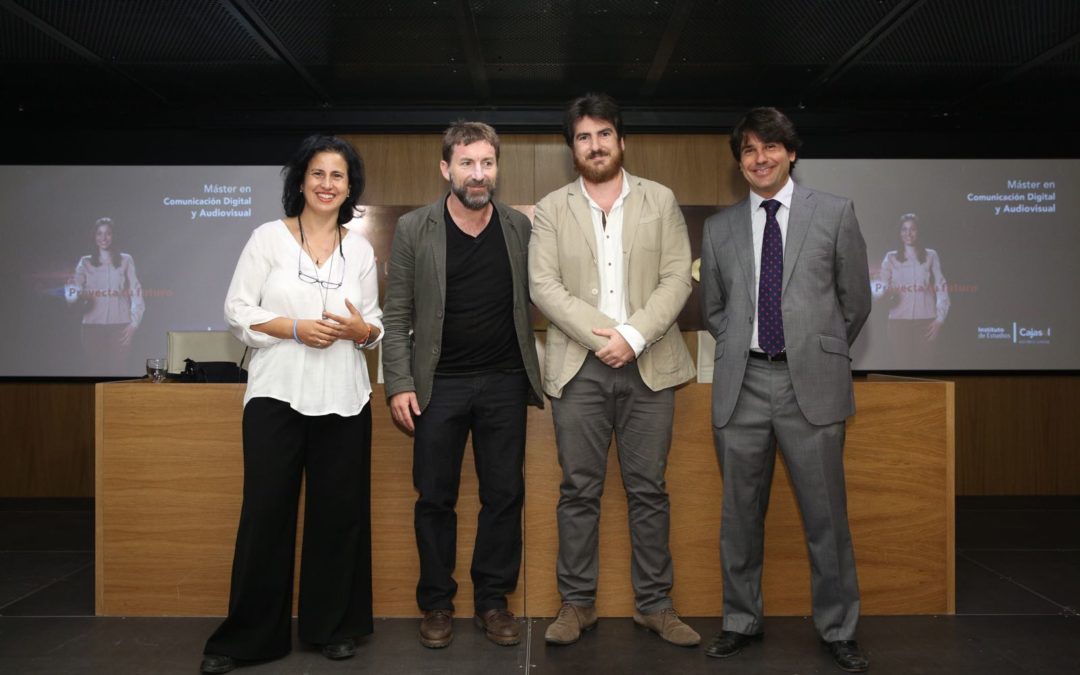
(609, 265)
(459, 357)
(785, 292)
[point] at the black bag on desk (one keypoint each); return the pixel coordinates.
(213, 372)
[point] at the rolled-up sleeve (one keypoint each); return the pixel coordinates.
(242, 303)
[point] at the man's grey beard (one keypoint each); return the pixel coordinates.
(471, 201)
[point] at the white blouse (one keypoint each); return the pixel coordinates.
(266, 286)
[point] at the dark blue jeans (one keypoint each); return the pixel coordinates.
(493, 407)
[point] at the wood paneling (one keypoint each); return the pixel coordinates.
(170, 475)
(169, 486)
(48, 434)
(899, 498)
(1018, 434)
(401, 170)
(686, 163)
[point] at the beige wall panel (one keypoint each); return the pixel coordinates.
(517, 169)
(731, 184)
(686, 163)
(401, 170)
(554, 165)
(48, 432)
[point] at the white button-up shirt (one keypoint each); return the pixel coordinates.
(608, 231)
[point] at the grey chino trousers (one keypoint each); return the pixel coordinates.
(598, 402)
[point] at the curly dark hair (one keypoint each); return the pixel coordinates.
(292, 199)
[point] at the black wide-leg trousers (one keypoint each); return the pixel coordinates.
(334, 452)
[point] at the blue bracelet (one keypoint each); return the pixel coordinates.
(294, 336)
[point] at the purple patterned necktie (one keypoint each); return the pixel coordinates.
(770, 319)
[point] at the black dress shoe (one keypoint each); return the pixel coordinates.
(216, 663)
(848, 656)
(342, 649)
(729, 643)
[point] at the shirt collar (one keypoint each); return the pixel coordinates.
(784, 196)
(622, 194)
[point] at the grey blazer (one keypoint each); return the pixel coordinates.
(825, 301)
(416, 296)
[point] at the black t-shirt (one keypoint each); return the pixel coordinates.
(478, 327)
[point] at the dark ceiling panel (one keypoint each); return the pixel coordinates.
(148, 31)
(776, 32)
(571, 32)
(32, 89)
(948, 52)
(21, 43)
(984, 33)
(869, 59)
(258, 85)
(743, 54)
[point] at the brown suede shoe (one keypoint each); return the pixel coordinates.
(667, 624)
(437, 628)
(499, 625)
(571, 622)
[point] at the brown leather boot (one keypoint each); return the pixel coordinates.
(499, 626)
(437, 628)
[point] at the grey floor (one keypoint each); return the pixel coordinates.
(1018, 611)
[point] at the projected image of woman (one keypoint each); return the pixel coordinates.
(305, 296)
(105, 283)
(912, 278)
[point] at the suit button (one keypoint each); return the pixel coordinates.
(594, 291)
(751, 319)
(434, 350)
(439, 314)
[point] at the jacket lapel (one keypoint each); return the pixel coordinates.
(632, 206)
(579, 207)
(802, 212)
(742, 237)
(511, 240)
(436, 224)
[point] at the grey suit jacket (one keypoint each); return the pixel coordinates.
(565, 282)
(825, 301)
(416, 297)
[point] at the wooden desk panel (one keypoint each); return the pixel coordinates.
(169, 476)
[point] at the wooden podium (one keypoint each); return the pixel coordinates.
(169, 476)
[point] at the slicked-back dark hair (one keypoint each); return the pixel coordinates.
(768, 124)
(292, 199)
(596, 106)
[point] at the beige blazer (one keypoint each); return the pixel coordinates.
(564, 282)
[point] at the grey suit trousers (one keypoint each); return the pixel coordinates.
(597, 402)
(767, 413)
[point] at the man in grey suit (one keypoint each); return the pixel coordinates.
(785, 292)
(459, 357)
(609, 265)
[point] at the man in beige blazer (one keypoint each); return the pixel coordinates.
(609, 265)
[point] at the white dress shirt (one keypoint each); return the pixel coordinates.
(608, 231)
(757, 222)
(266, 286)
